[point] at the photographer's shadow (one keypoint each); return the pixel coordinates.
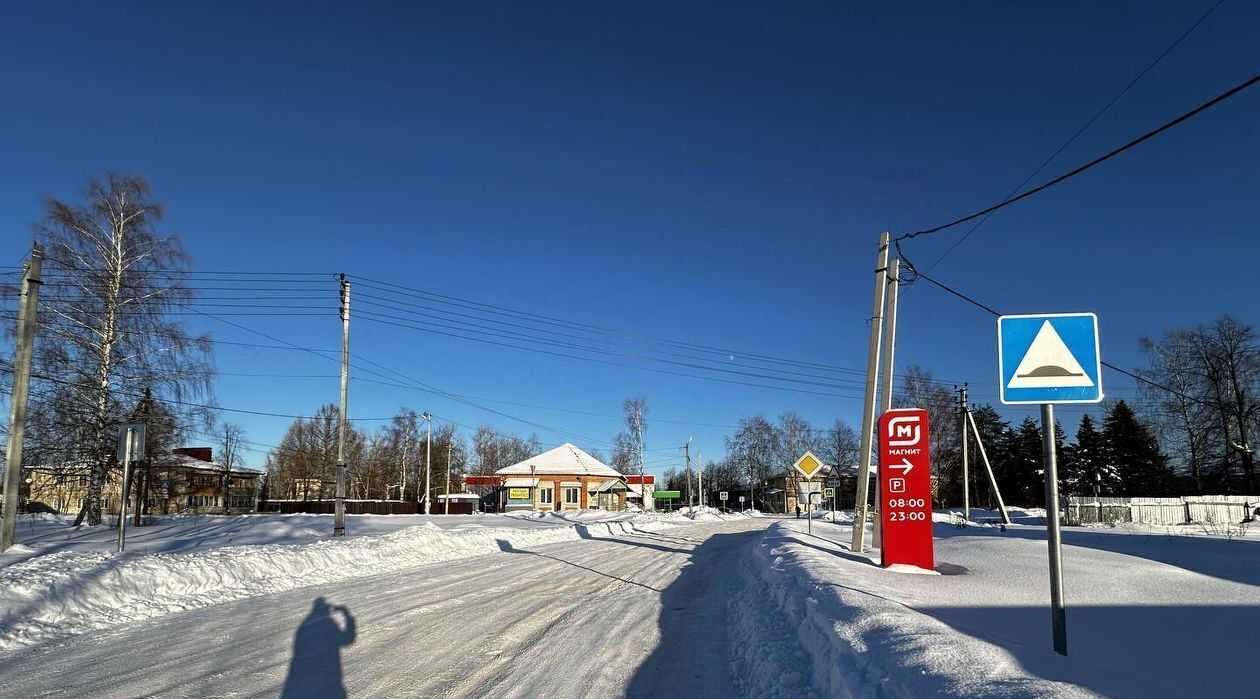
(315, 669)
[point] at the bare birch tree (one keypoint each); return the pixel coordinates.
(109, 322)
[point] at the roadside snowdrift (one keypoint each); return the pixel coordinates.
(861, 643)
(76, 592)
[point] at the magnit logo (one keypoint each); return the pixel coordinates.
(903, 431)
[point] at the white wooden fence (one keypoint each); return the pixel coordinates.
(1207, 509)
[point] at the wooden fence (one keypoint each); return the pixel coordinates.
(1201, 509)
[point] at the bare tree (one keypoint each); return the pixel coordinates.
(636, 411)
(230, 438)
(108, 323)
(755, 446)
(1216, 370)
(840, 447)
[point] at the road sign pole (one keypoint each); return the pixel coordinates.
(122, 505)
(1058, 612)
(868, 404)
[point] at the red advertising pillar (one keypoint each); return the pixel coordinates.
(905, 488)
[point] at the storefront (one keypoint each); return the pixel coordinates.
(564, 478)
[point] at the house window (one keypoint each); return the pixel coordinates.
(546, 496)
(570, 496)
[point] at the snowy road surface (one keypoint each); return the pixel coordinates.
(642, 615)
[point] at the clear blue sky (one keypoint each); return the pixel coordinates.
(711, 172)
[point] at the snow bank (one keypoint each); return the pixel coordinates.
(74, 592)
(708, 514)
(859, 642)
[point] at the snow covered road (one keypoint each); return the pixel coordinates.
(640, 615)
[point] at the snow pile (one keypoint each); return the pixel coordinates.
(859, 641)
(74, 592)
(710, 514)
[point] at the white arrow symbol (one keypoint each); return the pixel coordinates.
(905, 466)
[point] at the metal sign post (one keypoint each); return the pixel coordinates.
(1046, 359)
(130, 442)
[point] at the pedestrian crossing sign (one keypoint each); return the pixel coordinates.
(1049, 358)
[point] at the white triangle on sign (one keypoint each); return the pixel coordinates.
(1048, 364)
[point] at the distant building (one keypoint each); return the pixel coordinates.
(564, 478)
(781, 494)
(640, 491)
(188, 480)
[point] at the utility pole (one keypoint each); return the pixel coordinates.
(868, 404)
(890, 344)
(339, 511)
(700, 475)
(642, 480)
(402, 489)
(687, 451)
(965, 413)
(450, 448)
(1006, 518)
(23, 349)
(428, 441)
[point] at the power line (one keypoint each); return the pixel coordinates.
(1096, 161)
(917, 275)
(1080, 131)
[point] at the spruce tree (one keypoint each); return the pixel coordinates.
(1133, 454)
(1086, 464)
(1019, 475)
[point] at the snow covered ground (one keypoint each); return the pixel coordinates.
(597, 604)
(1150, 614)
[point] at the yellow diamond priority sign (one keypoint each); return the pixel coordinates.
(808, 465)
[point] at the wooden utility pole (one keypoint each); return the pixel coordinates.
(23, 350)
(339, 512)
(868, 405)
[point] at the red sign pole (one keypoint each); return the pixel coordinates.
(905, 488)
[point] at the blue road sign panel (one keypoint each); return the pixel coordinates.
(1049, 358)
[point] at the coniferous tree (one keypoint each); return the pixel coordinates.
(1086, 465)
(1134, 455)
(1019, 473)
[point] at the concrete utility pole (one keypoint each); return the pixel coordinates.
(868, 405)
(984, 456)
(700, 475)
(965, 413)
(642, 479)
(428, 442)
(450, 448)
(687, 451)
(23, 349)
(339, 511)
(885, 392)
